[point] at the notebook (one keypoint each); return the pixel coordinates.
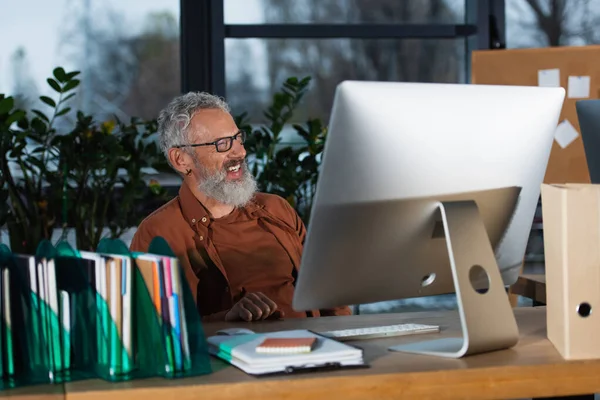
(243, 352)
(286, 345)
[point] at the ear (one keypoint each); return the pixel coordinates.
(180, 160)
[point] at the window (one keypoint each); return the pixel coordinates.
(542, 23)
(206, 26)
(127, 52)
(344, 11)
(255, 68)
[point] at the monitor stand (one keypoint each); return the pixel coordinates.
(487, 320)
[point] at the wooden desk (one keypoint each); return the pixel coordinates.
(45, 392)
(532, 369)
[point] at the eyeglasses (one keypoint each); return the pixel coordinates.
(222, 144)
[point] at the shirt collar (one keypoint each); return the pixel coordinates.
(193, 210)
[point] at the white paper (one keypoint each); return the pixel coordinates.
(579, 87)
(565, 134)
(549, 77)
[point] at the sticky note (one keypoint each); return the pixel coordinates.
(579, 87)
(549, 77)
(565, 133)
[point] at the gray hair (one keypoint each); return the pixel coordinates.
(174, 120)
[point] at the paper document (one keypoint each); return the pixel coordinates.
(565, 134)
(579, 87)
(240, 351)
(549, 77)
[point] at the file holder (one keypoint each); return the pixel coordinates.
(28, 368)
(27, 354)
(76, 279)
(62, 352)
(199, 362)
(149, 333)
(571, 236)
(140, 364)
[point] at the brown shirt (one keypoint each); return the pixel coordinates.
(255, 248)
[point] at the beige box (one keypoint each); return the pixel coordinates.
(571, 215)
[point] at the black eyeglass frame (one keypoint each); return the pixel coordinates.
(241, 134)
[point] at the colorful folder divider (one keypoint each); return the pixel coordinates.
(68, 315)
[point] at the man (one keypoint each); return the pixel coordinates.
(240, 250)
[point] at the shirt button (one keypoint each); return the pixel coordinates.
(203, 219)
(201, 237)
(227, 289)
(193, 220)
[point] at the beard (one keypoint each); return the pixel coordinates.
(234, 193)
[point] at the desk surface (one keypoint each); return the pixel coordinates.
(531, 369)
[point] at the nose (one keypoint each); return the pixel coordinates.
(238, 149)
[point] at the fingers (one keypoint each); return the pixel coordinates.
(266, 305)
(245, 314)
(267, 301)
(254, 306)
(238, 313)
(254, 309)
(279, 314)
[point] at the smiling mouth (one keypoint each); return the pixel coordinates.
(234, 168)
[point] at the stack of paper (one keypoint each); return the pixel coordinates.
(241, 351)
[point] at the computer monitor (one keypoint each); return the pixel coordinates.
(420, 183)
(588, 114)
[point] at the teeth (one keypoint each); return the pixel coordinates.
(235, 168)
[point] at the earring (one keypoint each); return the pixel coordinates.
(188, 172)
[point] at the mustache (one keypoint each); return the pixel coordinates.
(235, 161)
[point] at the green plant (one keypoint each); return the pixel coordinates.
(102, 164)
(25, 148)
(290, 171)
(88, 176)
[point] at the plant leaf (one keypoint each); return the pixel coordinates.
(68, 97)
(41, 115)
(6, 105)
(71, 75)
(54, 85)
(48, 101)
(23, 123)
(63, 111)
(14, 117)
(38, 125)
(59, 74)
(36, 162)
(71, 85)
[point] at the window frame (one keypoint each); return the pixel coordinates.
(203, 34)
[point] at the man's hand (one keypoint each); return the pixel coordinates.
(252, 307)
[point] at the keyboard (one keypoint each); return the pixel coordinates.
(375, 332)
